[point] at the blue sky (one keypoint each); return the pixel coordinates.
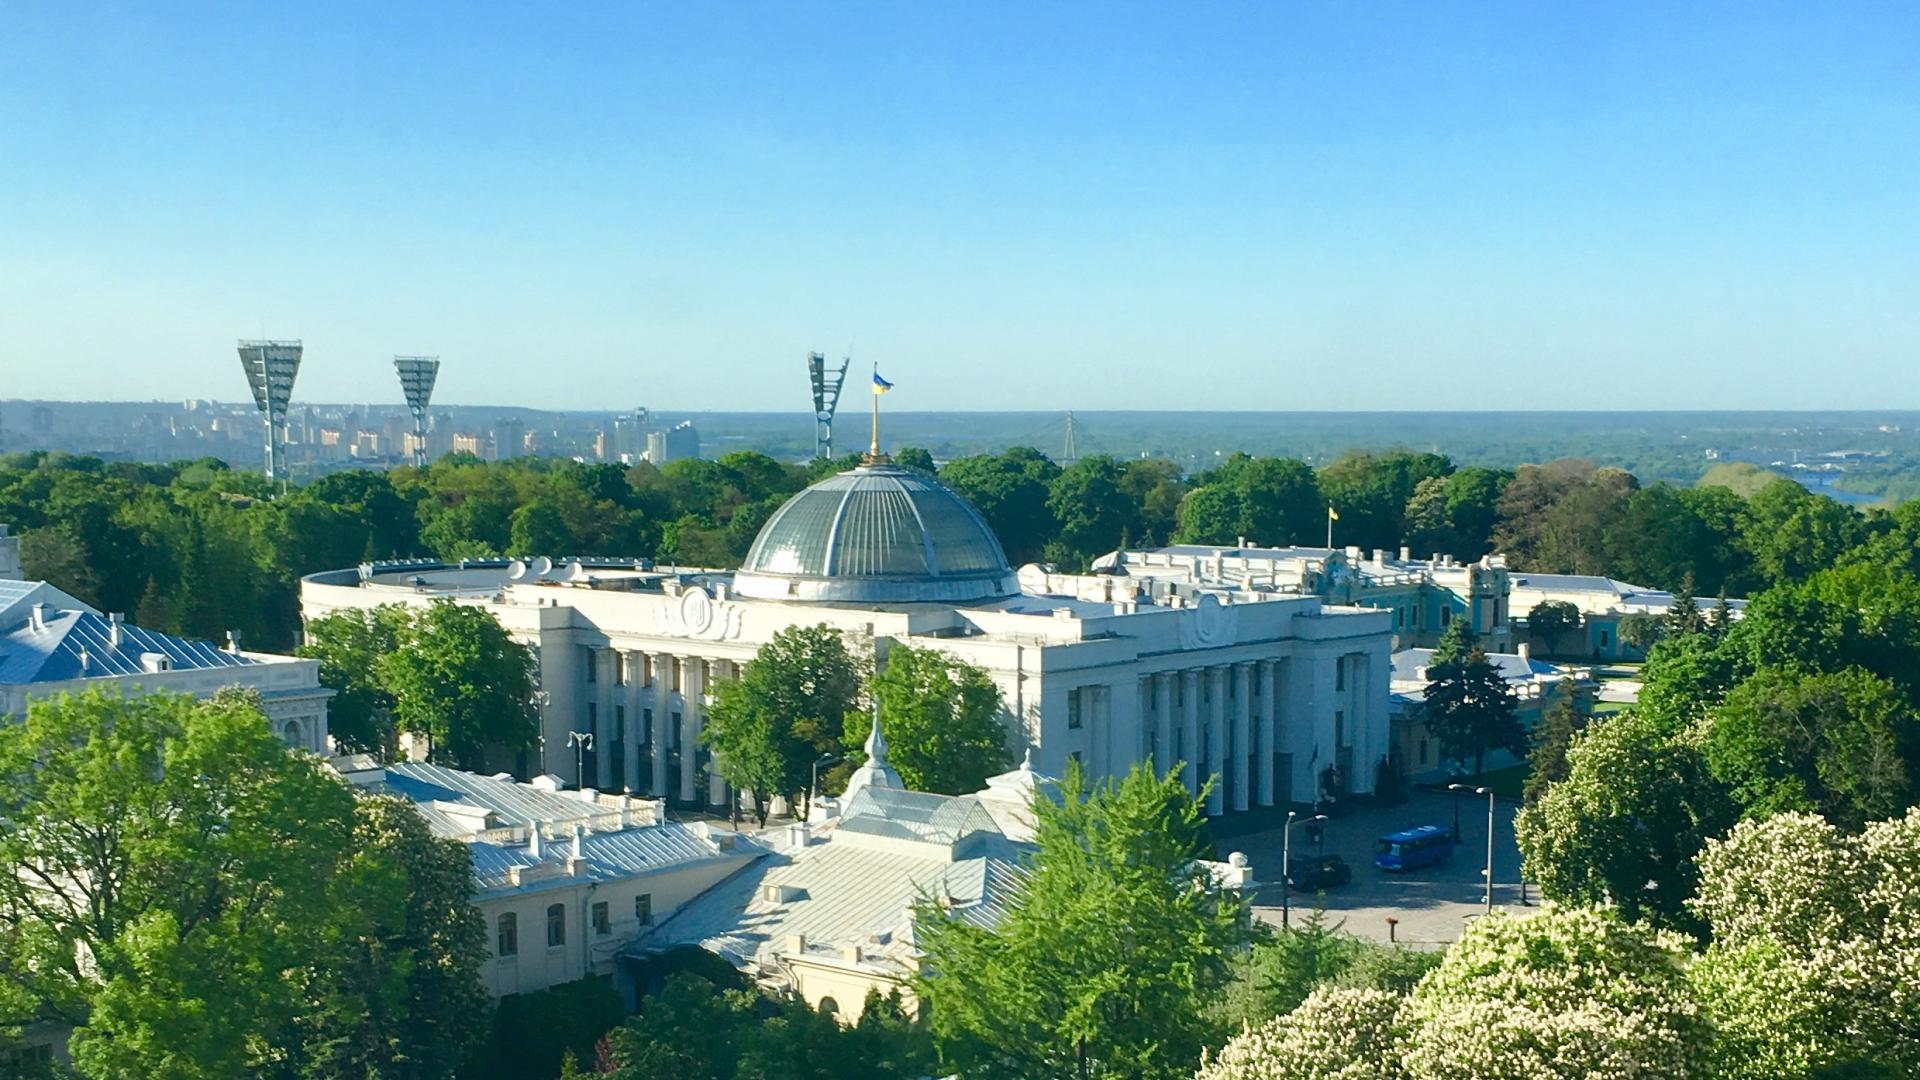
(1262, 206)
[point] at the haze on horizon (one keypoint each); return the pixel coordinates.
(1206, 207)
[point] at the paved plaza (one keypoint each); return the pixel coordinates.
(1433, 905)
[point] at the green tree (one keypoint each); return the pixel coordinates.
(1273, 501)
(1838, 744)
(941, 717)
(163, 863)
(349, 645)
(1683, 615)
(1642, 631)
(1471, 710)
(1547, 762)
(1092, 513)
(1456, 641)
(1565, 994)
(1550, 621)
(1793, 533)
(1337, 1033)
(1626, 823)
(1107, 955)
(768, 727)
(538, 528)
(1816, 939)
(395, 989)
(459, 679)
(1372, 492)
(1010, 490)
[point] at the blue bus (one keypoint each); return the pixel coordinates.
(1414, 848)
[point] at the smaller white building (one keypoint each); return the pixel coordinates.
(564, 879)
(51, 644)
(9, 555)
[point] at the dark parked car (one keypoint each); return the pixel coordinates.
(1316, 872)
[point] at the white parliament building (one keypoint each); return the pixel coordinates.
(1277, 692)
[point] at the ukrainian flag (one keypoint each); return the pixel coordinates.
(880, 385)
(1332, 514)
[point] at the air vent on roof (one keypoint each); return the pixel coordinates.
(155, 662)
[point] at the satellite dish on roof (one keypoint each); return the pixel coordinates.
(576, 572)
(541, 566)
(516, 570)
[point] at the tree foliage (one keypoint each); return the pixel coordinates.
(1471, 710)
(458, 678)
(199, 902)
(768, 727)
(1106, 959)
(941, 717)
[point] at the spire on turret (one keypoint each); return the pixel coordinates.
(874, 772)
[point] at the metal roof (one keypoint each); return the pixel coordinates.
(840, 894)
(75, 644)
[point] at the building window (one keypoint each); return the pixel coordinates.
(1340, 728)
(509, 935)
(593, 665)
(1603, 639)
(602, 922)
(1423, 751)
(1073, 709)
(646, 726)
(1446, 616)
(1073, 756)
(1340, 673)
(674, 673)
(619, 723)
(643, 909)
(556, 925)
(646, 671)
(593, 717)
(619, 669)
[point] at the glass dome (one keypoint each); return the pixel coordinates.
(876, 534)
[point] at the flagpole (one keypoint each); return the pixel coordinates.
(1329, 528)
(874, 451)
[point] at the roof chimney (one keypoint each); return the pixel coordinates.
(533, 840)
(233, 641)
(38, 617)
(114, 619)
(1526, 651)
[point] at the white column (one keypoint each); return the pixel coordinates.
(661, 666)
(1242, 731)
(716, 787)
(1216, 738)
(692, 681)
(1190, 729)
(606, 659)
(635, 701)
(1163, 722)
(1269, 688)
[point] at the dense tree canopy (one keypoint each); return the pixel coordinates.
(769, 727)
(199, 902)
(457, 678)
(941, 717)
(1109, 953)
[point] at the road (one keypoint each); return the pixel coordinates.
(1432, 905)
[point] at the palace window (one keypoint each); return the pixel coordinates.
(508, 943)
(602, 922)
(556, 925)
(643, 909)
(1073, 709)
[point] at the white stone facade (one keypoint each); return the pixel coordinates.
(1260, 689)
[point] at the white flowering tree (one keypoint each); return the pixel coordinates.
(1815, 963)
(1573, 993)
(1335, 1034)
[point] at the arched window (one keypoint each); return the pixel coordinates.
(291, 733)
(509, 936)
(556, 925)
(829, 1006)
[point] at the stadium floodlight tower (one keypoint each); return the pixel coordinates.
(417, 374)
(826, 398)
(271, 367)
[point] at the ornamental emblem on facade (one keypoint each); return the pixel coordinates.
(698, 615)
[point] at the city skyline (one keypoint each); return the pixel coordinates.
(1313, 209)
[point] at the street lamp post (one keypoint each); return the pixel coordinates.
(581, 741)
(1456, 789)
(814, 788)
(1488, 792)
(539, 702)
(1286, 864)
